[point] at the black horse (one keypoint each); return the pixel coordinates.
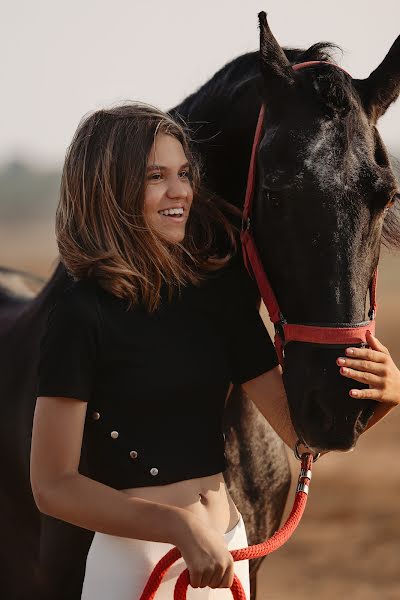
(323, 184)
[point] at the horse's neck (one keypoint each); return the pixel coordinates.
(223, 133)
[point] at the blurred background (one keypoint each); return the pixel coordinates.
(63, 59)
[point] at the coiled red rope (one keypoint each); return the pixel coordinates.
(275, 542)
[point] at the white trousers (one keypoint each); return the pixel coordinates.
(118, 568)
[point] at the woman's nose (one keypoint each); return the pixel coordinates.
(176, 189)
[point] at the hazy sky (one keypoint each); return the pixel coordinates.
(61, 59)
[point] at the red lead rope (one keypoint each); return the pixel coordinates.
(275, 542)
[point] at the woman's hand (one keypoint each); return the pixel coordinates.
(206, 555)
(375, 367)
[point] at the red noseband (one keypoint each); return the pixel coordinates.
(339, 333)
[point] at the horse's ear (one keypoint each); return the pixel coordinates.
(275, 67)
(382, 87)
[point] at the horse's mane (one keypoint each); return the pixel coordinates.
(243, 70)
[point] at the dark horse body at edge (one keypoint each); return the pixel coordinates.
(325, 198)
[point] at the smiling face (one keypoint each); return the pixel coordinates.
(168, 190)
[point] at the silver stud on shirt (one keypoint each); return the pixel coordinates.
(114, 435)
(133, 454)
(96, 415)
(154, 471)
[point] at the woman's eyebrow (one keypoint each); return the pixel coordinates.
(162, 168)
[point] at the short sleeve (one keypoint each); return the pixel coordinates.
(69, 346)
(249, 347)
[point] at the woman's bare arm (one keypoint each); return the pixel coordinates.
(268, 394)
(62, 492)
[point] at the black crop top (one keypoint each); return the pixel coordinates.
(155, 384)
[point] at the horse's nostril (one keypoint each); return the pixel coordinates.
(317, 413)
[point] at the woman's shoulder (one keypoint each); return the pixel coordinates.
(76, 299)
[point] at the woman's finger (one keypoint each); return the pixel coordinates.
(375, 344)
(366, 354)
(362, 377)
(227, 580)
(366, 394)
(363, 365)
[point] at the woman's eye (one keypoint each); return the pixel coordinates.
(155, 176)
(185, 174)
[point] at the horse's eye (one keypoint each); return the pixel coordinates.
(273, 198)
(392, 201)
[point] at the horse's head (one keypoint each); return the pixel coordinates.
(324, 188)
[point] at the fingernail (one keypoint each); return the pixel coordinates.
(341, 361)
(349, 351)
(354, 393)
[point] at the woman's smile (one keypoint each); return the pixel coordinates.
(178, 213)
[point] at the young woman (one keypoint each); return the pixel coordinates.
(137, 359)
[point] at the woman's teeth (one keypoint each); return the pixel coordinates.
(171, 211)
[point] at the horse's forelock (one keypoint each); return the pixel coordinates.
(324, 51)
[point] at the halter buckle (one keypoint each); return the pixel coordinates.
(299, 456)
(246, 224)
(279, 327)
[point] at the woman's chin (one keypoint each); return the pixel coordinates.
(175, 237)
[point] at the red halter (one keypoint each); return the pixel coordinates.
(340, 333)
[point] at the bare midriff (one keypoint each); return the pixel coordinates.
(207, 497)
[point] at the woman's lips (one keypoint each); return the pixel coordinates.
(177, 219)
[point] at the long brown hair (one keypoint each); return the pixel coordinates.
(101, 231)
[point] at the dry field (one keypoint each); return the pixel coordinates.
(348, 544)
